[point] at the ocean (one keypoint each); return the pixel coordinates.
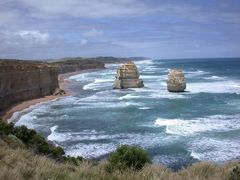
(201, 124)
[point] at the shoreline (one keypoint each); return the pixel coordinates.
(63, 84)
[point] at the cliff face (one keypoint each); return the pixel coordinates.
(24, 80)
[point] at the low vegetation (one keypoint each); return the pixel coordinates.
(24, 154)
(127, 157)
(28, 138)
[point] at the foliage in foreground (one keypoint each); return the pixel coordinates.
(22, 164)
(24, 137)
(235, 174)
(19, 162)
(128, 157)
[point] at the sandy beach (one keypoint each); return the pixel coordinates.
(63, 84)
(26, 104)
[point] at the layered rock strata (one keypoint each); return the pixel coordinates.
(128, 77)
(24, 80)
(176, 81)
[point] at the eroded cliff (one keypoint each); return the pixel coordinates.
(24, 80)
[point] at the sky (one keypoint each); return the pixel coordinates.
(49, 29)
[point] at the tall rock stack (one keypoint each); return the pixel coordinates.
(176, 81)
(128, 77)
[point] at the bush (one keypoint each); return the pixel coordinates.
(235, 174)
(128, 157)
(22, 136)
(6, 129)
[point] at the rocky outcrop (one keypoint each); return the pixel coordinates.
(24, 80)
(128, 77)
(59, 92)
(176, 81)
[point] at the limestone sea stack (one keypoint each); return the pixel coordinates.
(176, 81)
(128, 77)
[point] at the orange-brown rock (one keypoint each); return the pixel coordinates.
(128, 77)
(176, 81)
(24, 80)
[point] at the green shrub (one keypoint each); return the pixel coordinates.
(235, 174)
(57, 152)
(22, 136)
(128, 157)
(24, 133)
(6, 129)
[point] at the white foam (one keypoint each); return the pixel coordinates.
(216, 150)
(147, 140)
(144, 62)
(210, 123)
(52, 136)
(190, 74)
(27, 120)
(144, 108)
(150, 77)
(79, 77)
(129, 96)
(18, 114)
(96, 86)
(103, 80)
(96, 149)
(214, 87)
(92, 150)
(152, 69)
(214, 78)
(166, 95)
(133, 104)
(169, 160)
(77, 136)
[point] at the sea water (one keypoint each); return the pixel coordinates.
(176, 129)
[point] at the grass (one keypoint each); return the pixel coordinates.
(18, 161)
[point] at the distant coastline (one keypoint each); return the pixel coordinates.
(27, 82)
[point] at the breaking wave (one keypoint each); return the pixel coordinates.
(215, 123)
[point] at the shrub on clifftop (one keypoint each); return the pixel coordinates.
(31, 139)
(128, 157)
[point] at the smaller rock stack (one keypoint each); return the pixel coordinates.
(176, 81)
(128, 77)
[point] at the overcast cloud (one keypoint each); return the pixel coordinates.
(42, 29)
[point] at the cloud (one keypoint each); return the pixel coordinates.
(89, 9)
(33, 36)
(54, 28)
(92, 33)
(84, 41)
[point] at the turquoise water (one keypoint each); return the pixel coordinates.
(176, 128)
